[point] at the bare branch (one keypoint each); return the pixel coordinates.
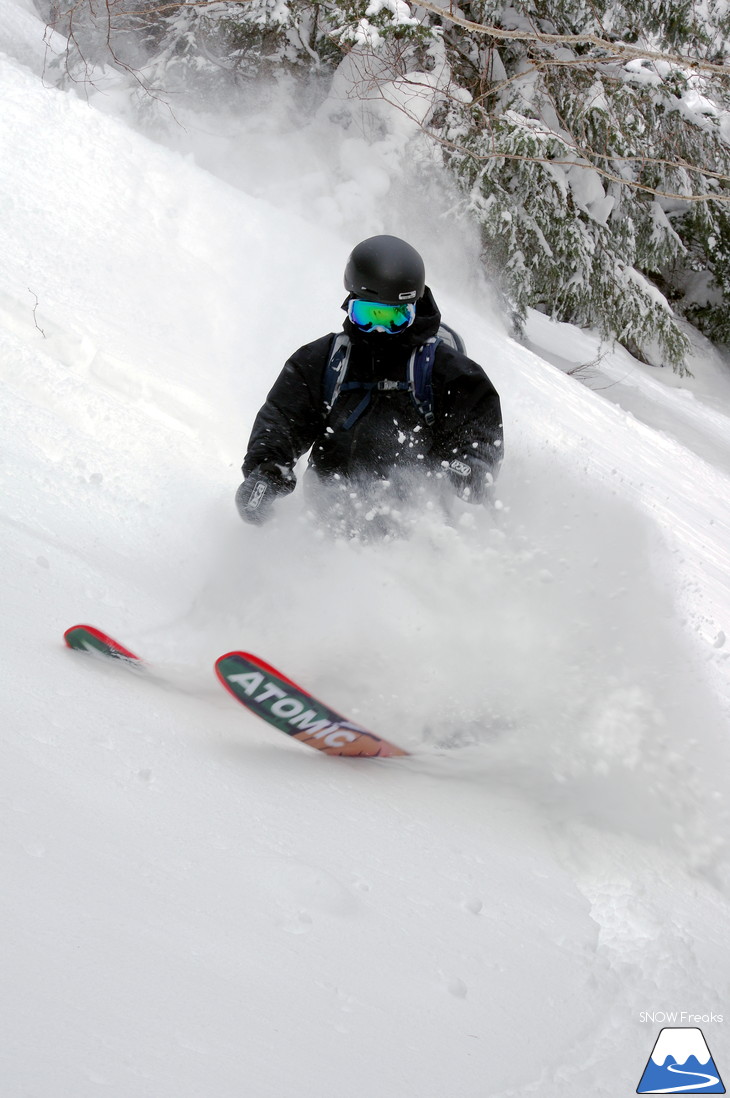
(622, 49)
(35, 310)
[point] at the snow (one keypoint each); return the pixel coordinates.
(366, 34)
(195, 906)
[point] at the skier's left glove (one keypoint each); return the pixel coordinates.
(470, 476)
(263, 485)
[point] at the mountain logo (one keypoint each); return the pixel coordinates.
(680, 1063)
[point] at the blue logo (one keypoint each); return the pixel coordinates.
(680, 1063)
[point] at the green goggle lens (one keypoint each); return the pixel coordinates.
(373, 316)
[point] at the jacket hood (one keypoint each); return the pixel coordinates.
(426, 324)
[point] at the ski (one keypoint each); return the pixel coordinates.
(86, 638)
(294, 711)
(178, 677)
(266, 692)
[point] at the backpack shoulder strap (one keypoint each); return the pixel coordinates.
(420, 368)
(336, 368)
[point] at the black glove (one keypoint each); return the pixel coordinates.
(471, 477)
(263, 485)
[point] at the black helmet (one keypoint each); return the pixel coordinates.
(385, 269)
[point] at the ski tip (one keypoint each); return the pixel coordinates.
(255, 661)
(87, 638)
(73, 631)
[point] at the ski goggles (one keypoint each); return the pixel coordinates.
(372, 316)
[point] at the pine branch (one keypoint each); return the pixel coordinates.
(622, 49)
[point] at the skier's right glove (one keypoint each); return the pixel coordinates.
(263, 485)
(471, 477)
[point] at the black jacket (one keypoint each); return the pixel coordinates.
(392, 432)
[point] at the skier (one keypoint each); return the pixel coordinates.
(388, 407)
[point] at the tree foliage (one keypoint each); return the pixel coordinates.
(589, 139)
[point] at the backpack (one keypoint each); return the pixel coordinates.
(420, 366)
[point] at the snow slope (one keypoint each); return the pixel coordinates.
(193, 905)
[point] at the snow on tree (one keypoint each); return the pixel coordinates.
(600, 179)
(588, 140)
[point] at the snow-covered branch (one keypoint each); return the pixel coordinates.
(612, 48)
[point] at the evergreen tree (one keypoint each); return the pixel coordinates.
(583, 167)
(590, 139)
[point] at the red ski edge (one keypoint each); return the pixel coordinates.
(294, 711)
